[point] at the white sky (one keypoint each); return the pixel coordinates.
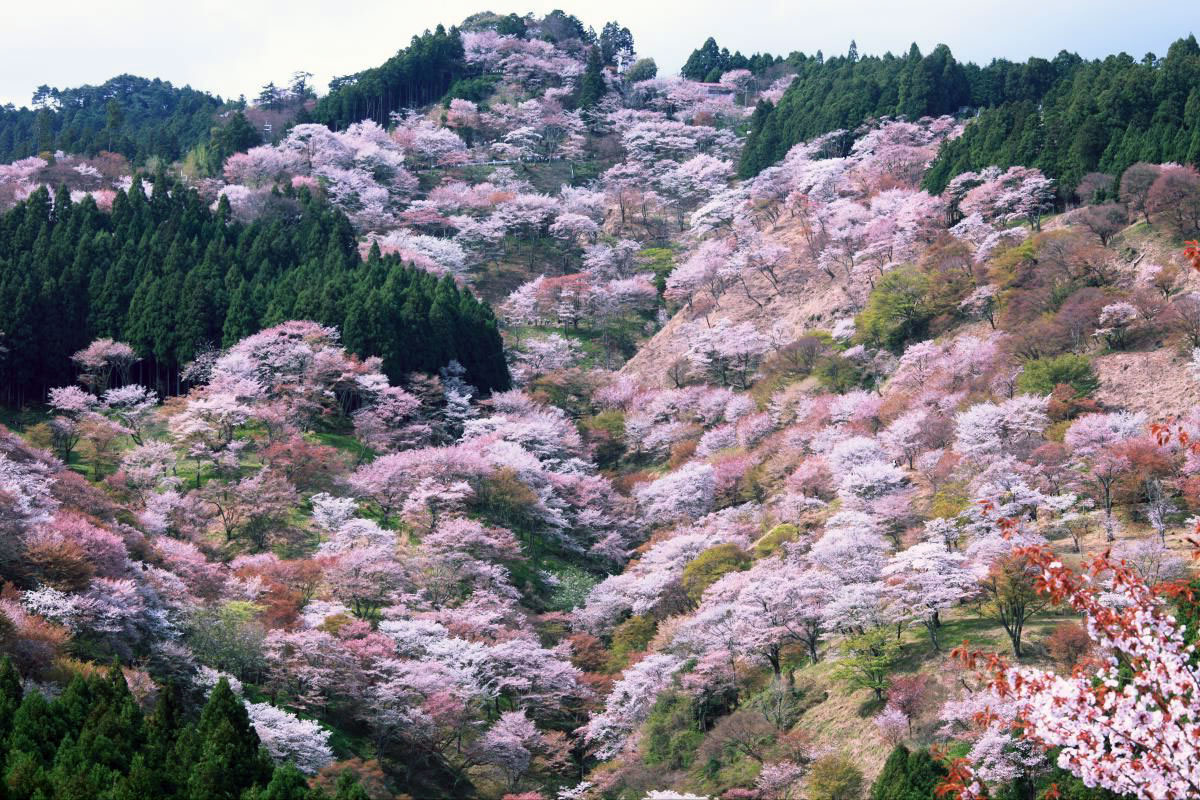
(231, 47)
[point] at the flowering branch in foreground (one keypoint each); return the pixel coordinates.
(1129, 721)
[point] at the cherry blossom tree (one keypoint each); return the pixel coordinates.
(1127, 724)
(1018, 193)
(25, 491)
(702, 271)
(539, 356)
(629, 703)
(687, 492)
(390, 422)
(1010, 427)
(925, 580)
(515, 747)
(905, 437)
(133, 407)
(254, 507)
(290, 739)
(385, 482)
(365, 577)
(982, 303)
(852, 548)
(893, 725)
(647, 582)
(1097, 442)
(728, 353)
(1116, 320)
(778, 605)
(102, 361)
(1175, 196)
(740, 80)
(72, 405)
(694, 181)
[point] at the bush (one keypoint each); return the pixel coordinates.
(571, 590)
(1175, 196)
(708, 567)
(1106, 221)
(743, 733)
(1068, 644)
(784, 532)
(783, 705)
(908, 775)
(1041, 375)
(839, 375)
(671, 733)
(476, 90)
(230, 638)
(631, 636)
(803, 355)
(950, 500)
(834, 777)
(897, 310)
(642, 70)
(868, 659)
(605, 432)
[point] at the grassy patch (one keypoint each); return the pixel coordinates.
(343, 442)
(19, 419)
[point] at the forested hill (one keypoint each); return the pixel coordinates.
(435, 67)
(697, 514)
(173, 277)
(1102, 116)
(417, 75)
(1093, 114)
(710, 61)
(134, 116)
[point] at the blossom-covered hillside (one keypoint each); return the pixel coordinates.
(814, 484)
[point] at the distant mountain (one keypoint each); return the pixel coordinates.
(137, 117)
(1067, 116)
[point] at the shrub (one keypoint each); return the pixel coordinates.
(671, 733)
(950, 500)
(588, 652)
(868, 659)
(605, 432)
(476, 90)
(1068, 644)
(708, 567)
(839, 375)
(911, 694)
(897, 310)
(1175, 196)
(908, 775)
(834, 777)
(783, 705)
(1106, 221)
(631, 636)
(744, 733)
(1041, 375)
(642, 70)
(230, 638)
(571, 589)
(803, 355)
(784, 532)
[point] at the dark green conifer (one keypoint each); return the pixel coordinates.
(592, 87)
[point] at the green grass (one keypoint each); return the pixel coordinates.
(343, 442)
(20, 419)
(622, 343)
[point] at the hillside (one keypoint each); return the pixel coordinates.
(488, 437)
(133, 116)
(1066, 116)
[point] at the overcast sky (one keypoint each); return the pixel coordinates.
(231, 47)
